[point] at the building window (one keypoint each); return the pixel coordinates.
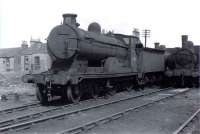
(26, 60)
(37, 62)
(26, 63)
(7, 62)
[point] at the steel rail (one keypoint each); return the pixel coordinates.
(34, 115)
(92, 124)
(15, 126)
(19, 108)
(185, 124)
(26, 117)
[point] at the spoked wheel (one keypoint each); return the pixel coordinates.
(94, 92)
(146, 80)
(182, 81)
(174, 82)
(129, 88)
(177, 82)
(159, 82)
(140, 82)
(73, 94)
(117, 87)
(112, 92)
(41, 94)
(153, 80)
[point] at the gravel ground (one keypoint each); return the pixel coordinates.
(194, 127)
(161, 118)
(11, 83)
(89, 115)
(15, 91)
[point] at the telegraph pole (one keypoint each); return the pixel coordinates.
(146, 33)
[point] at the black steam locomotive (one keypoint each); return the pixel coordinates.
(92, 63)
(182, 65)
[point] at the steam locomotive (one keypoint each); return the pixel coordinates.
(88, 62)
(182, 65)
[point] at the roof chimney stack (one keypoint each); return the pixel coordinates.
(157, 44)
(24, 44)
(184, 40)
(136, 32)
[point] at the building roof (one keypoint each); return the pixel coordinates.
(35, 49)
(10, 52)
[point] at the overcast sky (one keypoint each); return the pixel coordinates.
(167, 19)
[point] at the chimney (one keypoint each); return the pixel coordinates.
(156, 44)
(136, 32)
(24, 44)
(70, 19)
(162, 47)
(35, 42)
(184, 40)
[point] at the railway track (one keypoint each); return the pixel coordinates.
(19, 108)
(188, 122)
(94, 123)
(40, 114)
(32, 115)
(27, 124)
